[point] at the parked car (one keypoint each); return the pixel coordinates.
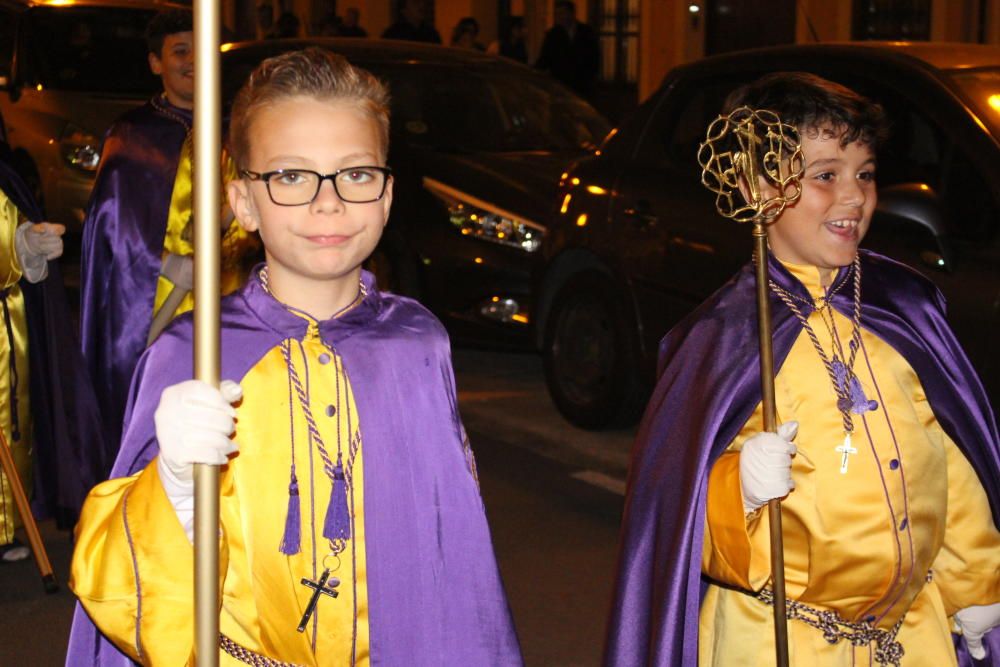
(67, 70)
(477, 147)
(637, 243)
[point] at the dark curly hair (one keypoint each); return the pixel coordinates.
(167, 22)
(814, 106)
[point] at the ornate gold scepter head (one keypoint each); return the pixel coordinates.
(741, 150)
(753, 163)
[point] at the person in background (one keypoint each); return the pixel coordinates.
(25, 251)
(136, 250)
(464, 34)
(265, 20)
(351, 25)
(512, 45)
(287, 26)
(48, 412)
(412, 24)
(570, 52)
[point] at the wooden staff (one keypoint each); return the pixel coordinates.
(206, 208)
(24, 509)
(740, 150)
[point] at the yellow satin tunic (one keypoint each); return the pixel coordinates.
(862, 543)
(236, 242)
(10, 273)
(262, 597)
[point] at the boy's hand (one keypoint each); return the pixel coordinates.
(766, 466)
(193, 423)
(45, 239)
(36, 244)
(975, 622)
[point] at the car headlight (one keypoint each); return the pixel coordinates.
(479, 219)
(80, 149)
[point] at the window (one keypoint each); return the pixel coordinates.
(491, 111)
(891, 19)
(618, 36)
(675, 132)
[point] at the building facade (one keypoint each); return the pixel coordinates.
(642, 39)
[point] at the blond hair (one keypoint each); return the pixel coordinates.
(311, 72)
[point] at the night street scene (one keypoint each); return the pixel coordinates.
(514, 388)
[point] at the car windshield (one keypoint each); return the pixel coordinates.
(495, 110)
(74, 48)
(982, 87)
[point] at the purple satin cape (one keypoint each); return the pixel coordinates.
(67, 458)
(121, 251)
(707, 389)
(435, 595)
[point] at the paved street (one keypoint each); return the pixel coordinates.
(553, 497)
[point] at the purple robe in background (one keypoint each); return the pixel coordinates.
(434, 590)
(68, 455)
(122, 247)
(708, 388)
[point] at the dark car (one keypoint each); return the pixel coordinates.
(56, 95)
(637, 242)
(477, 147)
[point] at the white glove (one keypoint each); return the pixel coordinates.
(179, 269)
(36, 244)
(974, 622)
(766, 466)
(193, 423)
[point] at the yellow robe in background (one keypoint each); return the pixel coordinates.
(262, 597)
(864, 544)
(10, 273)
(236, 242)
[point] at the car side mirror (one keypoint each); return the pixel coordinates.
(917, 204)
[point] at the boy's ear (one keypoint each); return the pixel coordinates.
(238, 193)
(741, 183)
(155, 66)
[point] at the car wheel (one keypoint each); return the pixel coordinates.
(590, 355)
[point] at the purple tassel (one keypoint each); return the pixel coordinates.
(859, 402)
(290, 542)
(337, 525)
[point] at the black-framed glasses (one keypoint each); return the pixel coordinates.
(297, 187)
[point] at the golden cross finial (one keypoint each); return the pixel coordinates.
(745, 148)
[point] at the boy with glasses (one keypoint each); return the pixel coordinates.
(352, 526)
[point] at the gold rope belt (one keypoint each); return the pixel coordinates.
(247, 656)
(888, 651)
